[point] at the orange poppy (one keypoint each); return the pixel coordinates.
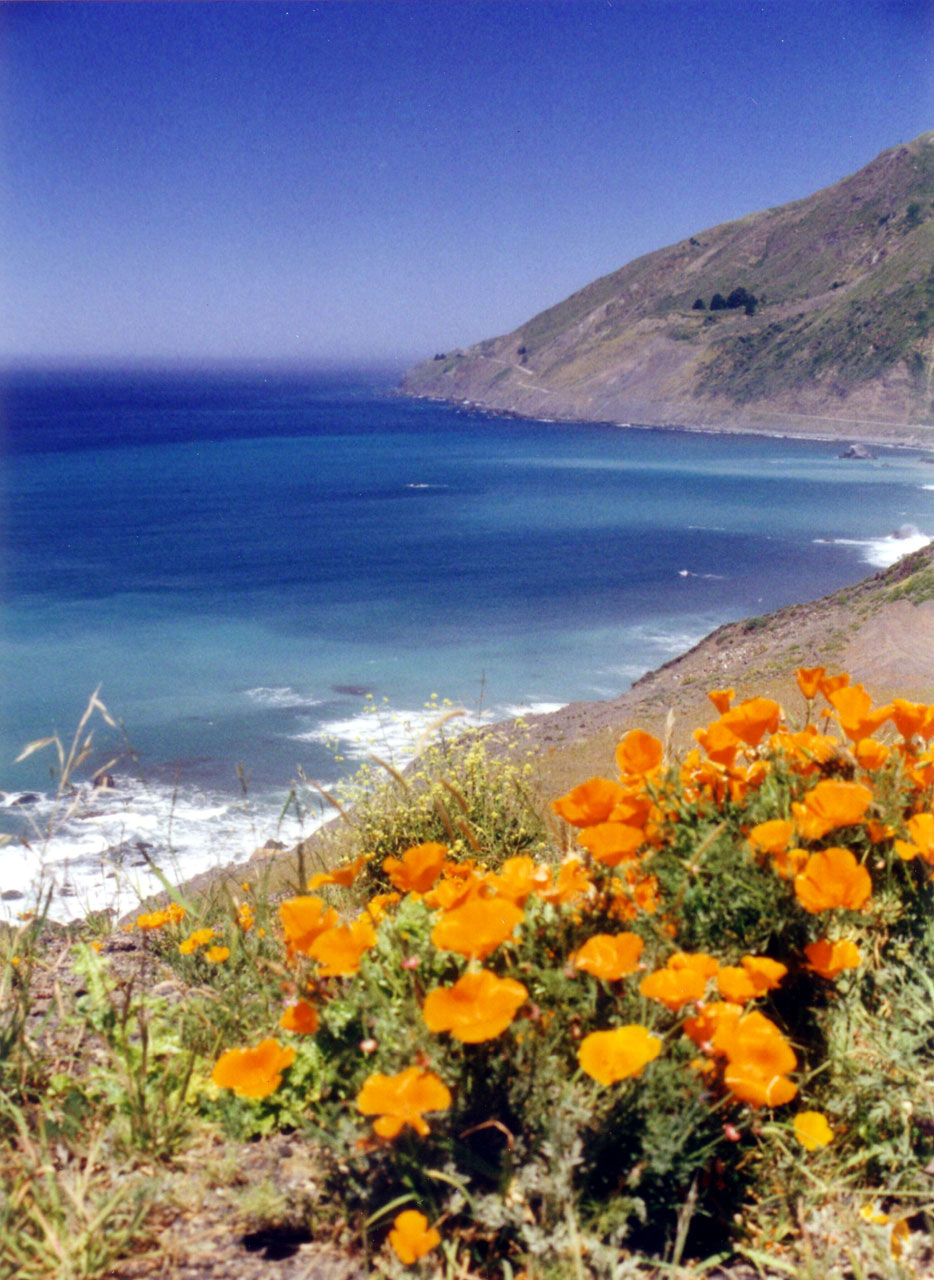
(765, 972)
(830, 684)
(673, 987)
(638, 893)
(712, 1020)
(454, 891)
(913, 719)
(253, 1073)
(401, 1099)
(853, 706)
(721, 699)
(343, 876)
(340, 949)
(921, 831)
(809, 679)
(200, 938)
(752, 719)
(589, 803)
(478, 927)
(831, 804)
(870, 755)
(812, 1130)
(697, 962)
(411, 1237)
(303, 919)
(572, 883)
(417, 869)
(479, 1006)
(610, 956)
(379, 905)
(831, 958)
(301, 1017)
(788, 864)
(639, 754)
(772, 837)
(736, 985)
(609, 1056)
(756, 1087)
(217, 955)
(518, 877)
(832, 878)
(611, 842)
(759, 1059)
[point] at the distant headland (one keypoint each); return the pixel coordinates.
(813, 318)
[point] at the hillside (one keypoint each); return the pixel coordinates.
(838, 340)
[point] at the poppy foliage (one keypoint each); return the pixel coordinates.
(642, 1002)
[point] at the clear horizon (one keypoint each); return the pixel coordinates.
(366, 183)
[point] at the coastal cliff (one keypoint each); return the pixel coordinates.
(816, 317)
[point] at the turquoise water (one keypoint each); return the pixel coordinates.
(248, 565)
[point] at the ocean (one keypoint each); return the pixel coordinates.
(269, 572)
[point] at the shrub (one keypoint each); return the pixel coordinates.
(715, 1001)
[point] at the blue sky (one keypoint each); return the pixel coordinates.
(368, 180)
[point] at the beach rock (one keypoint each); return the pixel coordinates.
(268, 850)
(10, 895)
(856, 451)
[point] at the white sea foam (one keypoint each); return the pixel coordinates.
(279, 696)
(882, 552)
(97, 852)
(394, 735)
(516, 710)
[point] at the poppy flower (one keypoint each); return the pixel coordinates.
(772, 837)
(417, 869)
(479, 1006)
(608, 1056)
(713, 1021)
(518, 877)
(253, 1073)
(913, 719)
(572, 883)
(639, 754)
(303, 919)
(870, 755)
(752, 719)
(217, 955)
(921, 831)
(759, 1059)
(736, 985)
(343, 876)
(831, 958)
(829, 805)
(830, 684)
(610, 956)
(453, 892)
(788, 864)
(411, 1237)
(721, 699)
(853, 706)
(301, 1017)
(756, 1087)
(832, 878)
(379, 905)
(674, 987)
(200, 938)
(340, 949)
(478, 927)
(720, 744)
(812, 1130)
(401, 1099)
(633, 893)
(611, 842)
(809, 679)
(246, 917)
(590, 803)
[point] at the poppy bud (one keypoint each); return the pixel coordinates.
(411, 962)
(368, 1046)
(731, 1133)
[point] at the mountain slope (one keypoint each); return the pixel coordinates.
(838, 338)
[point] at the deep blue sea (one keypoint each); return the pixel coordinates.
(278, 571)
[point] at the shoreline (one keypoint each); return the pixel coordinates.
(898, 441)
